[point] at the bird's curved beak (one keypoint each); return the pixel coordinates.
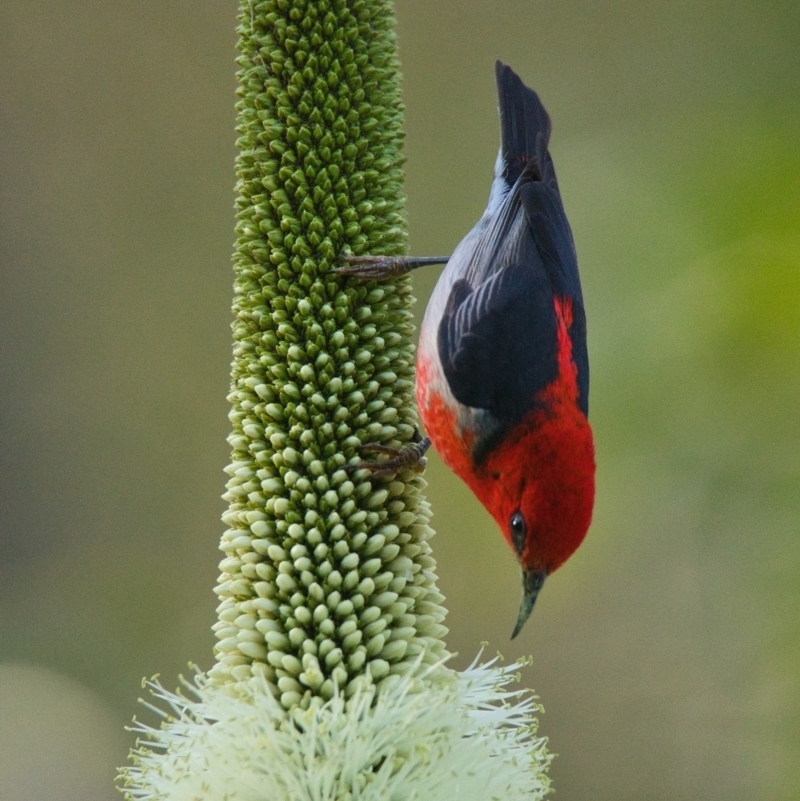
(532, 581)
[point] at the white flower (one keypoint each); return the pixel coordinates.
(436, 735)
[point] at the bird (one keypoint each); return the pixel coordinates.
(502, 365)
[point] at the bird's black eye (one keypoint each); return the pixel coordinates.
(518, 532)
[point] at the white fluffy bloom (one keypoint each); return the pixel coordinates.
(435, 735)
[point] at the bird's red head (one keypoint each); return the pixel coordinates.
(539, 486)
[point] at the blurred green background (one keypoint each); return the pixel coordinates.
(667, 651)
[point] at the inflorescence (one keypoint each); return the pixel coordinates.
(328, 578)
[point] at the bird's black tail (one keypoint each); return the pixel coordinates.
(524, 127)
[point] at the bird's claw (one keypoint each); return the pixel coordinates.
(382, 268)
(377, 268)
(411, 457)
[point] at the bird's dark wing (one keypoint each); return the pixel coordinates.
(497, 343)
(497, 338)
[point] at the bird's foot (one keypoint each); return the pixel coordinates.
(381, 268)
(412, 457)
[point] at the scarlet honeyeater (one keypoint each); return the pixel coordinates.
(502, 367)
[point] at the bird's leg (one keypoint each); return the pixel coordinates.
(380, 268)
(411, 457)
